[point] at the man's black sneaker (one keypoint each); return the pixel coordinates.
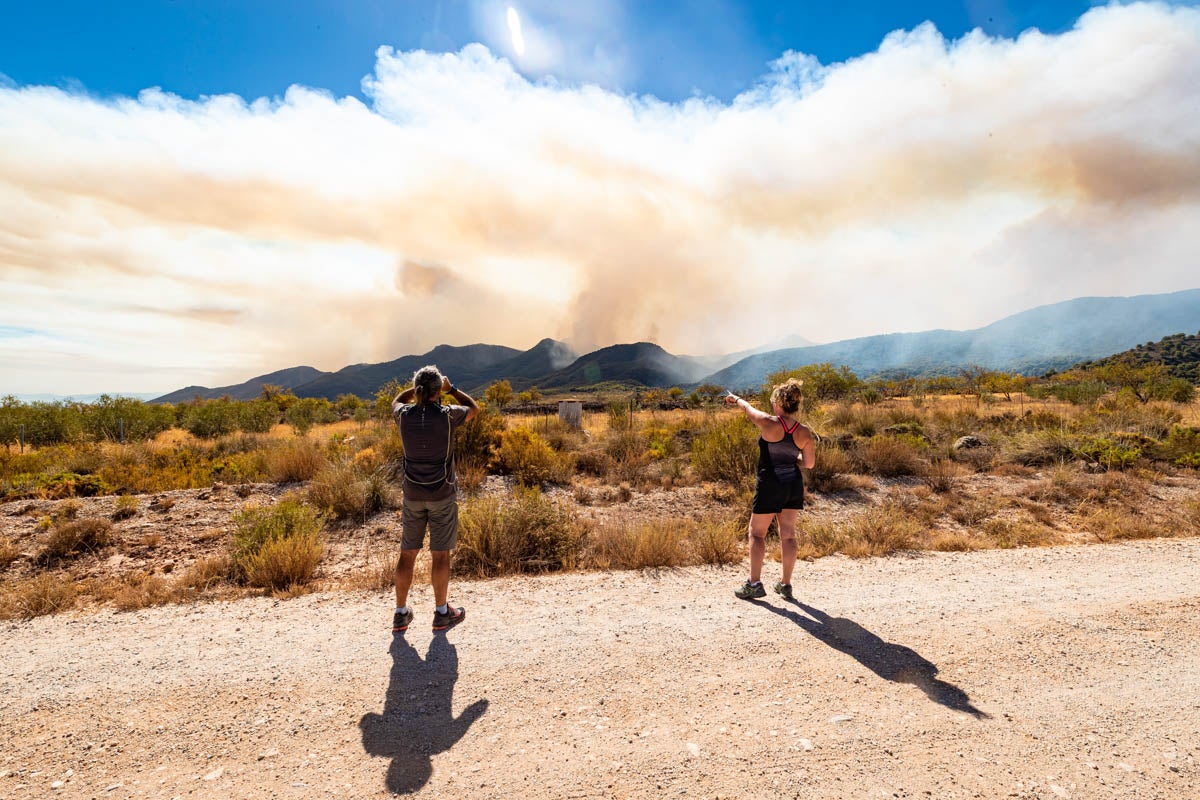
(749, 591)
(401, 621)
(784, 590)
(452, 617)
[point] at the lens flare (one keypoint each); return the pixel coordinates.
(514, 30)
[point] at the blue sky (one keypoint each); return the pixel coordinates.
(710, 176)
(260, 47)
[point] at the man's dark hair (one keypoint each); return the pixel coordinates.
(427, 383)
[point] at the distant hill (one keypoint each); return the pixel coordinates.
(1179, 353)
(287, 378)
(468, 366)
(1032, 342)
(641, 363)
(1048, 337)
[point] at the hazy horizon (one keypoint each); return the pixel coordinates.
(499, 189)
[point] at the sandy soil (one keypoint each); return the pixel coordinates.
(1039, 673)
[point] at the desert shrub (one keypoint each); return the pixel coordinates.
(277, 546)
(1110, 524)
(111, 418)
(1110, 454)
(890, 456)
(940, 474)
(726, 451)
(203, 575)
(139, 590)
(378, 571)
(1181, 446)
(257, 416)
(479, 439)
(527, 533)
(637, 545)
(879, 531)
(8, 552)
(1044, 447)
(44, 593)
(295, 460)
(660, 443)
(127, 507)
(309, 411)
(210, 419)
(717, 540)
(471, 475)
(619, 418)
(971, 511)
(1008, 533)
(75, 537)
(955, 542)
(526, 456)
(828, 473)
(341, 491)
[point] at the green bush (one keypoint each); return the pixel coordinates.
(211, 418)
(478, 440)
(526, 456)
(726, 451)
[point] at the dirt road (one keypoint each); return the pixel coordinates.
(1065, 672)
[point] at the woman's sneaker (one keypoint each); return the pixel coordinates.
(401, 620)
(749, 591)
(784, 590)
(452, 617)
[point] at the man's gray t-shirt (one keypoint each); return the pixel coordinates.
(427, 431)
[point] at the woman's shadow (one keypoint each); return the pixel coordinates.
(417, 721)
(892, 662)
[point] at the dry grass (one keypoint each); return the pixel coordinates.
(955, 542)
(940, 474)
(295, 460)
(528, 533)
(9, 552)
(717, 540)
(342, 492)
(41, 594)
(889, 456)
(880, 531)
(377, 572)
(127, 507)
(638, 545)
(140, 590)
(1009, 533)
(277, 546)
(77, 537)
(285, 564)
(1109, 525)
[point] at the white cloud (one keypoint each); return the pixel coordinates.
(927, 184)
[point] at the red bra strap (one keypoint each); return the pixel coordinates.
(789, 431)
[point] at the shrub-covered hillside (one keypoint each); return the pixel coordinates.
(1179, 353)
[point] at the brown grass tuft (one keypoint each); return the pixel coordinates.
(295, 460)
(717, 539)
(74, 538)
(44, 593)
(528, 533)
(1109, 525)
(638, 545)
(9, 552)
(140, 590)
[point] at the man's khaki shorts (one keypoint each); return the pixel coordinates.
(440, 516)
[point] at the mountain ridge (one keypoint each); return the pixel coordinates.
(1049, 337)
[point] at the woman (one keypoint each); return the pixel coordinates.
(784, 447)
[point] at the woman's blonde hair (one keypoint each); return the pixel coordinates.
(787, 395)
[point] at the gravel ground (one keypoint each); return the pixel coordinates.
(1039, 673)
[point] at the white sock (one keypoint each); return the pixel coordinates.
(755, 583)
(401, 609)
(443, 609)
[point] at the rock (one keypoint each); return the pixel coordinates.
(693, 748)
(969, 442)
(216, 773)
(840, 718)
(806, 745)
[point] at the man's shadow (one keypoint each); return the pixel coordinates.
(417, 721)
(892, 662)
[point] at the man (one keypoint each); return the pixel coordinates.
(430, 488)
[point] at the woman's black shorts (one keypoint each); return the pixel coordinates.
(771, 496)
